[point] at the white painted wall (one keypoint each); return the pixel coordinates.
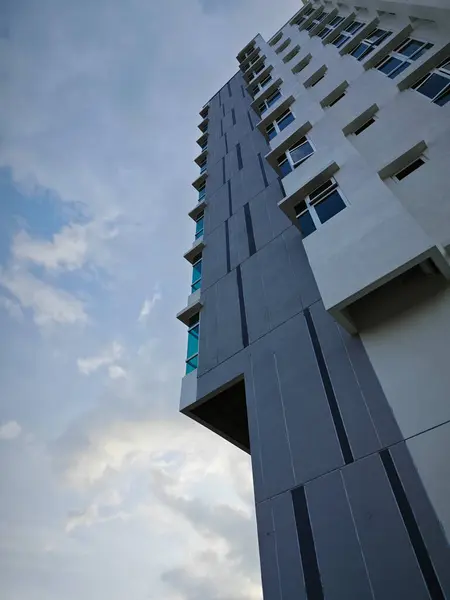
(411, 357)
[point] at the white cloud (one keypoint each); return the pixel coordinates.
(116, 372)
(12, 308)
(49, 304)
(94, 512)
(148, 305)
(10, 430)
(69, 249)
(107, 357)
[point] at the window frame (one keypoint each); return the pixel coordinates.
(370, 45)
(191, 327)
(196, 283)
(347, 34)
(421, 158)
(323, 15)
(443, 70)
(261, 85)
(311, 203)
(266, 104)
(203, 166)
(200, 217)
(288, 156)
(202, 192)
(404, 60)
(329, 27)
(275, 123)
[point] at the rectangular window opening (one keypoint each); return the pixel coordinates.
(416, 164)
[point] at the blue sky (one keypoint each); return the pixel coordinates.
(106, 491)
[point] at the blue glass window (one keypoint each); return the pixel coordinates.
(370, 43)
(285, 120)
(192, 345)
(306, 223)
(436, 85)
(402, 57)
(199, 226)
(329, 206)
(285, 167)
(273, 98)
(201, 192)
(196, 274)
(271, 132)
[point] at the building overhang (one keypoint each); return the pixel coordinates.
(198, 209)
(195, 249)
(267, 69)
(266, 93)
(198, 183)
(273, 112)
(299, 133)
(200, 159)
(192, 307)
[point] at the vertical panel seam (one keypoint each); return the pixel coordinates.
(243, 91)
(229, 89)
(412, 528)
(223, 170)
(221, 128)
(329, 392)
(226, 142)
(230, 200)
(249, 227)
(291, 459)
(239, 156)
(244, 328)
(227, 246)
(308, 554)
(263, 171)
(250, 120)
(233, 116)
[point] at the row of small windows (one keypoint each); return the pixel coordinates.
(279, 124)
(193, 342)
(435, 85)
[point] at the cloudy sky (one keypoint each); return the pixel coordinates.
(107, 493)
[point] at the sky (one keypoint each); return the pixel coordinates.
(106, 491)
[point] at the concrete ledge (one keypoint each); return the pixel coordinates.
(201, 157)
(196, 248)
(273, 112)
(266, 92)
(192, 307)
(359, 37)
(200, 207)
(273, 155)
(254, 66)
(306, 185)
(390, 44)
(264, 73)
(337, 30)
(318, 28)
(249, 58)
(200, 180)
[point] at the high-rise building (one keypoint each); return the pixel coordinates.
(319, 318)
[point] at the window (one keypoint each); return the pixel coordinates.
(199, 226)
(294, 157)
(317, 20)
(291, 54)
(368, 45)
(299, 20)
(321, 205)
(364, 126)
(203, 166)
(196, 273)
(403, 56)
(192, 345)
(436, 85)
(416, 164)
(279, 124)
(276, 39)
(267, 103)
(283, 46)
(201, 192)
(329, 28)
(261, 85)
(204, 146)
(336, 100)
(347, 33)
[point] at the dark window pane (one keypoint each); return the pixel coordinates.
(340, 41)
(411, 47)
(301, 152)
(306, 224)
(360, 50)
(285, 121)
(399, 69)
(364, 126)
(285, 168)
(197, 271)
(272, 99)
(390, 65)
(193, 341)
(195, 286)
(271, 133)
(353, 27)
(410, 169)
(444, 98)
(329, 207)
(432, 86)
